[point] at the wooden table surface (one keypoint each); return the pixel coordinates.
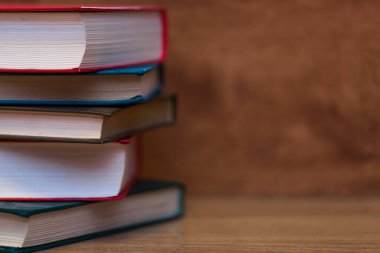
(243, 224)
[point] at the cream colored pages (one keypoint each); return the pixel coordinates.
(62, 170)
(32, 40)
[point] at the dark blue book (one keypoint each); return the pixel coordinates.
(102, 88)
(32, 226)
(85, 124)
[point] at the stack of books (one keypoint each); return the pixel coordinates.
(76, 86)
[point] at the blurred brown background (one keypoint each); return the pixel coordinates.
(275, 97)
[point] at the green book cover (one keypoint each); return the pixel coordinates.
(153, 201)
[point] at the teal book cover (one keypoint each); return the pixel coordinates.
(111, 87)
(149, 202)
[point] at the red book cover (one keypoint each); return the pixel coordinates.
(123, 192)
(74, 8)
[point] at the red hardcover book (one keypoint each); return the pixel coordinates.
(55, 171)
(35, 38)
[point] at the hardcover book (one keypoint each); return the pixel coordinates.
(56, 171)
(80, 38)
(85, 124)
(101, 88)
(32, 226)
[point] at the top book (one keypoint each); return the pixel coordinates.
(80, 38)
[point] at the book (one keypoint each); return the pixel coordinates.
(105, 87)
(85, 124)
(52, 224)
(80, 38)
(57, 171)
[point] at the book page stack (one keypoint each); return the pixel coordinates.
(77, 83)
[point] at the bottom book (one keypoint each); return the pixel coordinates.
(32, 226)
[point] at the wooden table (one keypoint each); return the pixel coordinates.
(243, 224)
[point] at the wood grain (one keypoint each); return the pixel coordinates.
(275, 97)
(243, 224)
